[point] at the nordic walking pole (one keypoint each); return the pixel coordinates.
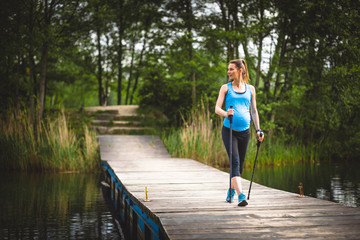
(230, 150)
(257, 151)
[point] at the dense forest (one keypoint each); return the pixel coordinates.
(168, 55)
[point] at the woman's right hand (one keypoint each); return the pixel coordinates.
(229, 112)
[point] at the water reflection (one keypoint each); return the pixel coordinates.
(54, 206)
(333, 181)
(345, 192)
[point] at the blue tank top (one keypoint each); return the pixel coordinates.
(241, 103)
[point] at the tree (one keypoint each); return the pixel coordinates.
(166, 54)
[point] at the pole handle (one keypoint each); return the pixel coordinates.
(258, 142)
(230, 116)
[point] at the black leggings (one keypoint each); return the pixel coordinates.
(240, 142)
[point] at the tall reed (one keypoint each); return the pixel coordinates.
(200, 139)
(54, 146)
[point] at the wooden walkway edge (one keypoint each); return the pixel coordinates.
(187, 200)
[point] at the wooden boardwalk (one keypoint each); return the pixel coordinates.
(189, 198)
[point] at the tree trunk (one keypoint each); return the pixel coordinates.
(139, 66)
(245, 43)
(119, 73)
(188, 23)
(193, 89)
(43, 62)
(107, 77)
(226, 27)
(120, 50)
(99, 75)
(17, 83)
(99, 59)
(31, 70)
(275, 62)
(261, 38)
(259, 59)
(277, 81)
(245, 40)
(272, 119)
(281, 61)
(235, 27)
(31, 92)
(43, 65)
(131, 69)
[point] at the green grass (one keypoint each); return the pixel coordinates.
(54, 147)
(200, 139)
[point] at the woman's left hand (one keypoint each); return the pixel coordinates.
(260, 136)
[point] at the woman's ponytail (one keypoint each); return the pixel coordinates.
(245, 71)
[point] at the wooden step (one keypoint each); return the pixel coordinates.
(116, 117)
(114, 123)
(122, 110)
(119, 120)
(122, 130)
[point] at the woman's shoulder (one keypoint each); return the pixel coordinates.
(252, 88)
(225, 87)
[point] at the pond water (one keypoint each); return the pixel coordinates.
(72, 206)
(334, 181)
(54, 206)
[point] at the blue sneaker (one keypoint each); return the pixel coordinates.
(230, 196)
(242, 200)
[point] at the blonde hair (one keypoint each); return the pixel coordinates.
(241, 64)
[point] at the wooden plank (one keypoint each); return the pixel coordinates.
(189, 198)
(123, 110)
(312, 232)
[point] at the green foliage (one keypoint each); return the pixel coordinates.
(200, 139)
(167, 86)
(308, 54)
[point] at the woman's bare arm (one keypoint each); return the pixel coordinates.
(254, 113)
(220, 102)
